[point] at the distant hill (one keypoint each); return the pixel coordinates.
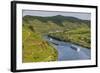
(52, 23)
(58, 19)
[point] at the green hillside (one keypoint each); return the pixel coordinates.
(35, 49)
(69, 29)
(78, 36)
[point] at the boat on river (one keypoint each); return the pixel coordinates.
(75, 48)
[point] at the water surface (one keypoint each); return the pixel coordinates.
(69, 51)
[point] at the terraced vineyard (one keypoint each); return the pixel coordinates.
(78, 36)
(35, 49)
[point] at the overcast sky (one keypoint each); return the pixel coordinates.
(84, 16)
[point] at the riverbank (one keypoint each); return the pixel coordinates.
(68, 41)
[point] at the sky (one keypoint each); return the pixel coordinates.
(84, 16)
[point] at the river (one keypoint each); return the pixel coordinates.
(69, 51)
